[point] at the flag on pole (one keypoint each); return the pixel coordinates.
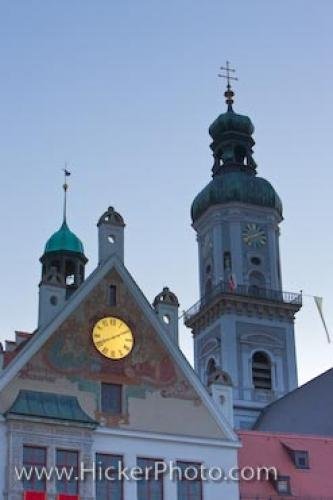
(67, 172)
(319, 304)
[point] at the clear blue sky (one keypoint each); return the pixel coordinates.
(125, 92)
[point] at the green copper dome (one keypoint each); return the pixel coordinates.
(236, 186)
(64, 240)
(231, 122)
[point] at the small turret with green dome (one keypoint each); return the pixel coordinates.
(63, 258)
(234, 171)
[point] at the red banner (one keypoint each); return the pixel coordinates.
(40, 495)
(34, 495)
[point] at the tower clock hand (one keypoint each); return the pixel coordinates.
(101, 342)
(119, 334)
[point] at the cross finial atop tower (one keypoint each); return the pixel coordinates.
(229, 94)
(65, 188)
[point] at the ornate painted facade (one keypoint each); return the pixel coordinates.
(65, 403)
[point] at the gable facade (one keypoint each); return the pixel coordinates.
(166, 413)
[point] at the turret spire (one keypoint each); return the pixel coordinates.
(229, 93)
(65, 188)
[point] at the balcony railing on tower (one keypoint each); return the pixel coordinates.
(253, 292)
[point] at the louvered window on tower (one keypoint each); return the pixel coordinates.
(261, 371)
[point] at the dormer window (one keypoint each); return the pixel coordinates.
(282, 485)
(300, 459)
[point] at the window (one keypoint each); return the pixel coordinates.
(256, 261)
(113, 295)
(34, 457)
(111, 399)
(53, 300)
(282, 485)
(189, 481)
(67, 460)
(300, 459)
(149, 487)
(261, 371)
(211, 366)
(166, 319)
(227, 265)
(108, 485)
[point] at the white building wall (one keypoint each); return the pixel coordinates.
(212, 453)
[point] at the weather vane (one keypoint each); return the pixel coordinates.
(67, 173)
(227, 74)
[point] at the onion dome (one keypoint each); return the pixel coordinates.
(236, 187)
(64, 240)
(111, 217)
(231, 122)
(166, 297)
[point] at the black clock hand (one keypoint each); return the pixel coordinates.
(101, 342)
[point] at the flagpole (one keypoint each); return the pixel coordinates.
(65, 188)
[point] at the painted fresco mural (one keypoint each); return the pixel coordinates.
(70, 354)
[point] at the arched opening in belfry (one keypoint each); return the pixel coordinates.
(240, 155)
(69, 272)
(261, 371)
(56, 265)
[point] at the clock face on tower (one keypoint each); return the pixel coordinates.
(254, 236)
(113, 338)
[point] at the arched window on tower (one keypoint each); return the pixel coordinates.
(261, 371)
(210, 370)
(211, 367)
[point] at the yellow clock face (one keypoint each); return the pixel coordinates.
(113, 338)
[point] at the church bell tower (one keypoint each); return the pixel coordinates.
(243, 323)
